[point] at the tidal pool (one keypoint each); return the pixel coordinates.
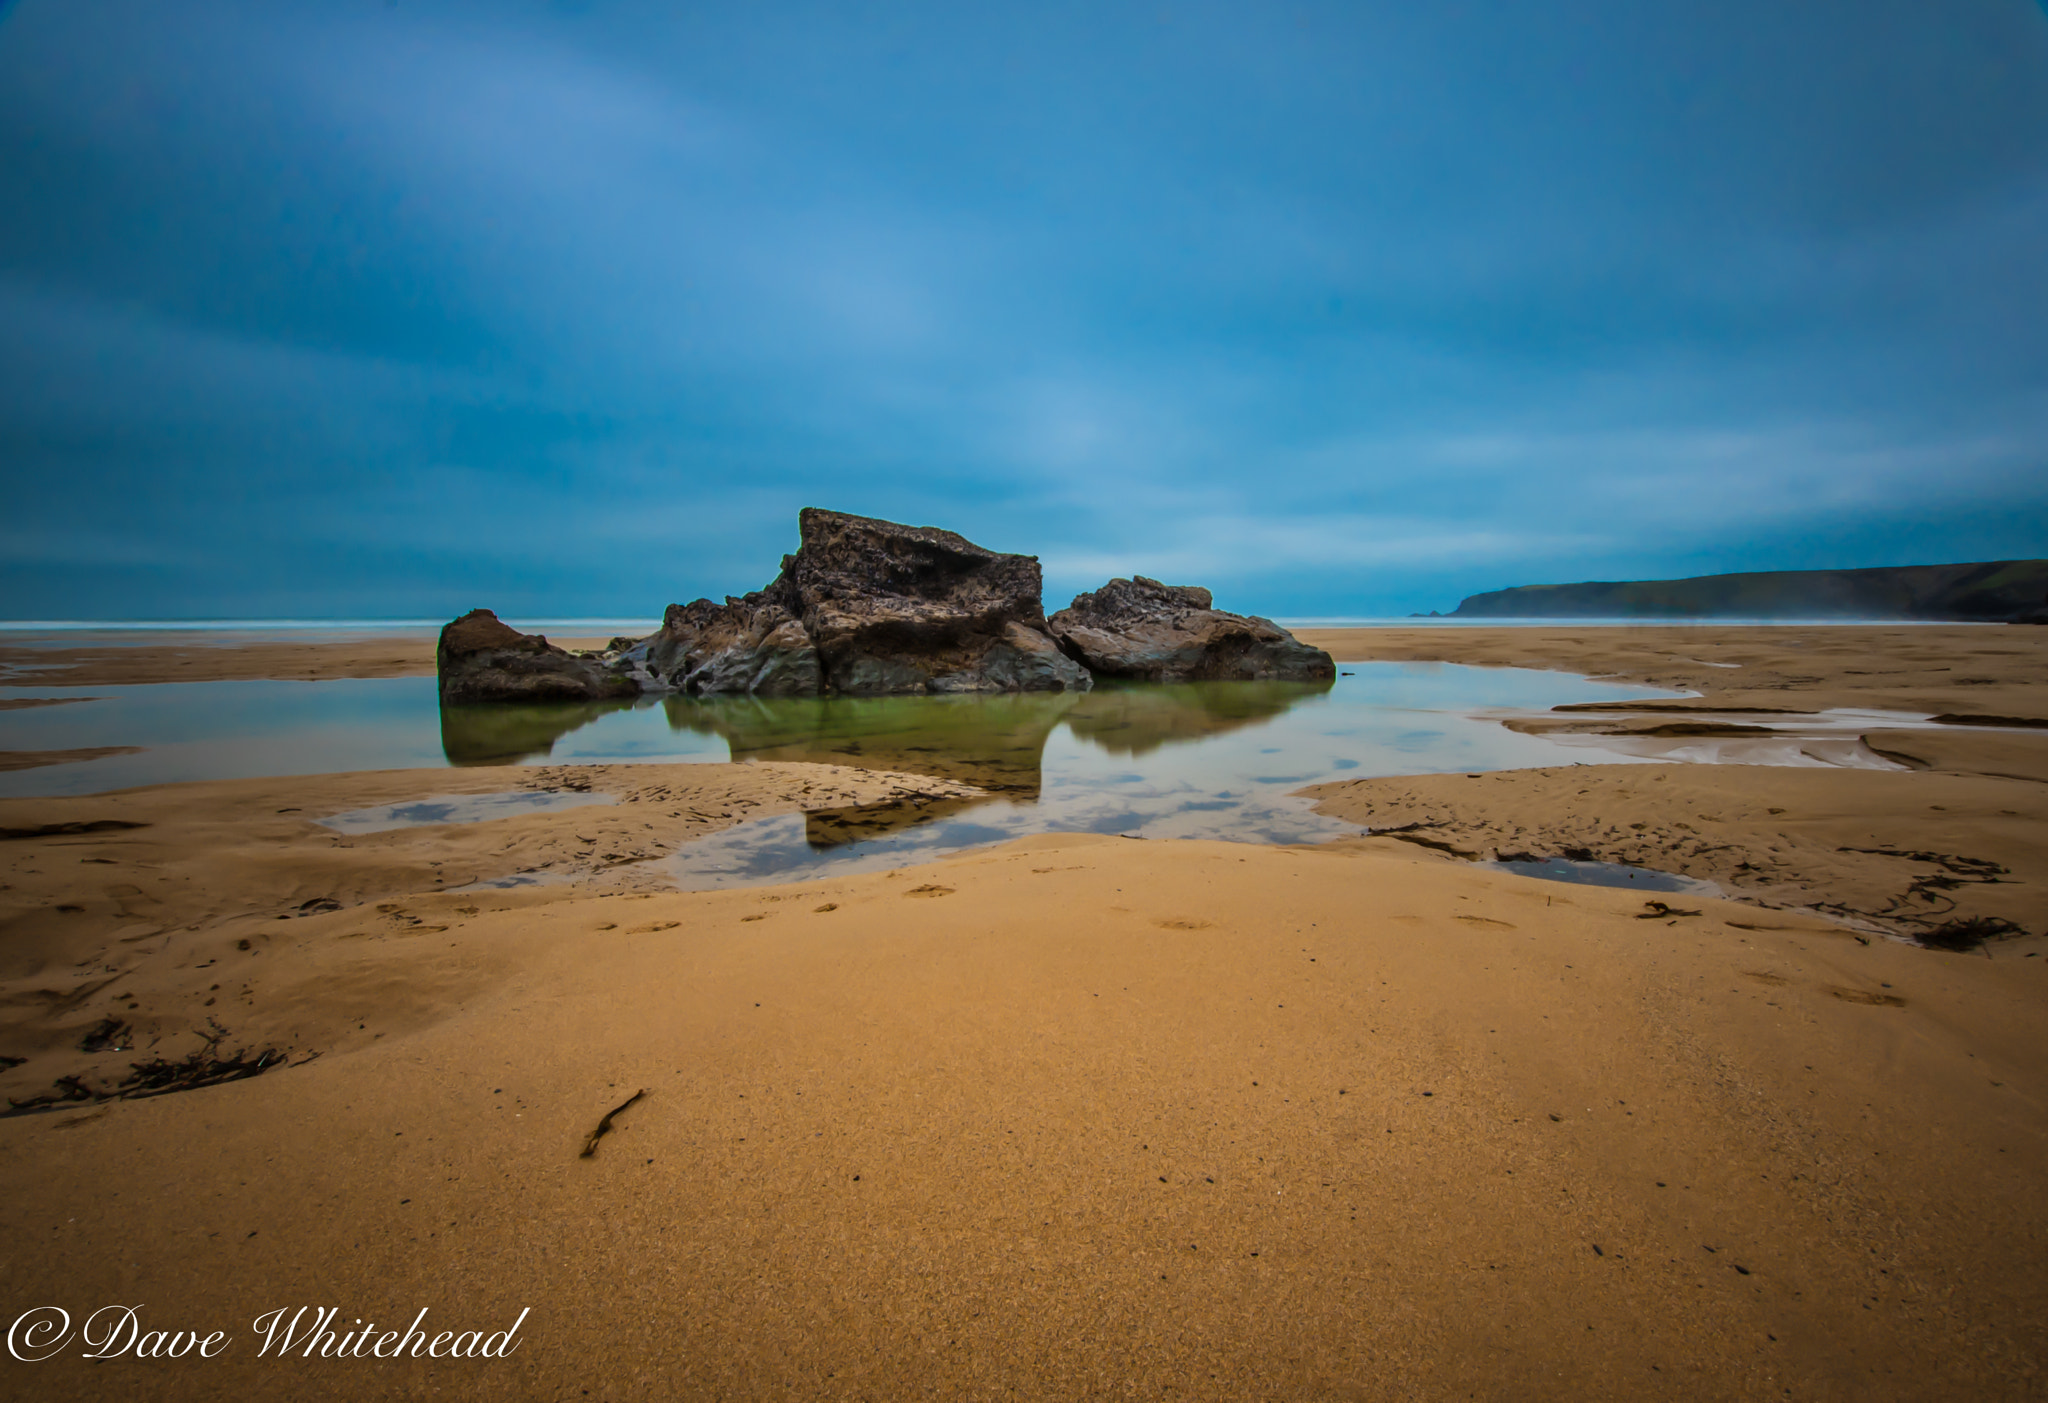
(1195, 760)
(1376, 719)
(458, 808)
(1603, 874)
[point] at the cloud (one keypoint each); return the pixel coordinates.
(1345, 306)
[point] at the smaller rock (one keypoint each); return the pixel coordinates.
(1140, 629)
(481, 658)
(750, 644)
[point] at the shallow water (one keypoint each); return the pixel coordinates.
(1380, 718)
(514, 881)
(1830, 739)
(1202, 760)
(1604, 874)
(458, 808)
(1197, 760)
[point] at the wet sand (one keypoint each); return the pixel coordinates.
(132, 658)
(1930, 668)
(1956, 830)
(36, 759)
(130, 905)
(1073, 1116)
(1901, 853)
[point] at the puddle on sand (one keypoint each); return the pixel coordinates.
(792, 847)
(1603, 874)
(1831, 739)
(458, 808)
(513, 881)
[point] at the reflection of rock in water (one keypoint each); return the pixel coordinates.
(993, 742)
(504, 733)
(1136, 720)
(831, 828)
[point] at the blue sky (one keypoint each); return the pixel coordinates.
(391, 309)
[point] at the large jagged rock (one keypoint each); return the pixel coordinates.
(480, 658)
(898, 609)
(1142, 630)
(750, 643)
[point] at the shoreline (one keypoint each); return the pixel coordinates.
(1653, 654)
(1773, 676)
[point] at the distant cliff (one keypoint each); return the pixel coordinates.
(1988, 591)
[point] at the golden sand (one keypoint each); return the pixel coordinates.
(1072, 1116)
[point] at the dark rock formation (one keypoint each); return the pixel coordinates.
(750, 644)
(871, 608)
(481, 659)
(898, 609)
(1143, 630)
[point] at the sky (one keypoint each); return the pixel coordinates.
(394, 308)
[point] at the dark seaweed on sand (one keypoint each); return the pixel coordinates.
(155, 1077)
(1969, 933)
(1932, 890)
(109, 1035)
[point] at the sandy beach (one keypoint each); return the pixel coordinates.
(1023, 704)
(1073, 1116)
